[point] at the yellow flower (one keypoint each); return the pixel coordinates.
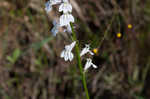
(119, 35)
(130, 26)
(95, 50)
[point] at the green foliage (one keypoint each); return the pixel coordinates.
(38, 45)
(14, 57)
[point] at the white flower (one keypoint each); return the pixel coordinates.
(55, 29)
(53, 2)
(48, 6)
(65, 19)
(86, 50)
(66, 53)
(89, 64)
(65, 7)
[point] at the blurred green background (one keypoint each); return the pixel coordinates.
(30, 63)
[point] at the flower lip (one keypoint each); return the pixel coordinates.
(66, 53)
(89, 64)
(65, 19)
(86, 50)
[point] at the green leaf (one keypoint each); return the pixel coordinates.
(16, 54)
(38, 45)
(9, 58)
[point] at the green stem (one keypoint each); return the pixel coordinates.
(74, 38)
(106, 32)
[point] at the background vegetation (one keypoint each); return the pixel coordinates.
(30, 63)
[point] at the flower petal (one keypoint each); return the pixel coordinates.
(70, 56)
(94, 66)
(61, 8)
(72, 45)
(83, 52)
(62, 54)
(66, 56)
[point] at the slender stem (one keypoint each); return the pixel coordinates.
(106, 32)
(74, 38)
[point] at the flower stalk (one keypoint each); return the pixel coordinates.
(74, 38)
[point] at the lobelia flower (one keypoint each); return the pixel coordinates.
(66, 53)
(55, 29)
(65, 19)
(65, 7)
(89, 64)
(86, 50)
(48, 4)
